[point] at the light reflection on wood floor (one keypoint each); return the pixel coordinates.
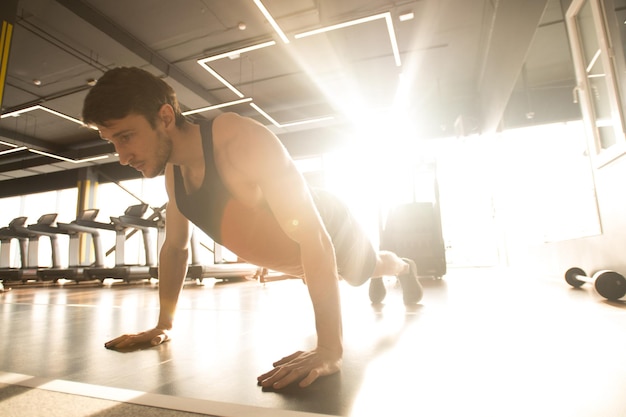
(484, 342)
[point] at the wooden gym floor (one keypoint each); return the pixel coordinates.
(484, 342)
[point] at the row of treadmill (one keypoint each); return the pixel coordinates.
(134, 220)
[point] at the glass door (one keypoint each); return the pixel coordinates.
(596, 89)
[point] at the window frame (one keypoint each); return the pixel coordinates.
(583, 90)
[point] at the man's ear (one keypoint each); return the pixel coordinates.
(166, 114)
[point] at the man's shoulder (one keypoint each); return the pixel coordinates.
(235, 133)
(228, 120)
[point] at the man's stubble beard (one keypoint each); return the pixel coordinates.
(163, 153)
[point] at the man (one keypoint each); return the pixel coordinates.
(233, 178)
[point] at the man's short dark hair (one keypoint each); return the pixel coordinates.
(128, 90)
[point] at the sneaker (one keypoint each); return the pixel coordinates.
(377, 290)
(412, 291)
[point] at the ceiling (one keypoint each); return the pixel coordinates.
(456, 67)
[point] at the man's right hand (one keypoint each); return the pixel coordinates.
(151, 337)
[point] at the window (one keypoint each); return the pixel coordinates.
(597, 90)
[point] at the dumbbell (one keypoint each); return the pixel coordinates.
(609, 284)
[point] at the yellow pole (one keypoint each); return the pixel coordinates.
(8, 11)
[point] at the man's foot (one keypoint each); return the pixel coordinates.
(412, 291)
(377, 290)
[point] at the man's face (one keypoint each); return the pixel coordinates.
(138, 144)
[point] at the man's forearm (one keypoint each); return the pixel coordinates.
(328, 318)
(172, 271)
(322, 282)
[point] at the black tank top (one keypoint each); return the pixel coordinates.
(205, 206)
(253, 233)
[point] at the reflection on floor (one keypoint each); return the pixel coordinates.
(484, 342)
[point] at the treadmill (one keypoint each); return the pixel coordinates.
(228, 271)
(33, 233)
(74, 270)
(7, 235)
(131, 220)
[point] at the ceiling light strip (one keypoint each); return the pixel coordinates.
(307, 121)
(19, 112)
(392, 39)
(390, 29)
(12, 145)
(217, 106)
(270, 19)
(16, 149)
(267, 116)
(64, 116)
(46, 109)
(236, 52)
(62, 158)
(300, 122)
(341, 25)
(222, 80)
(405, 17)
